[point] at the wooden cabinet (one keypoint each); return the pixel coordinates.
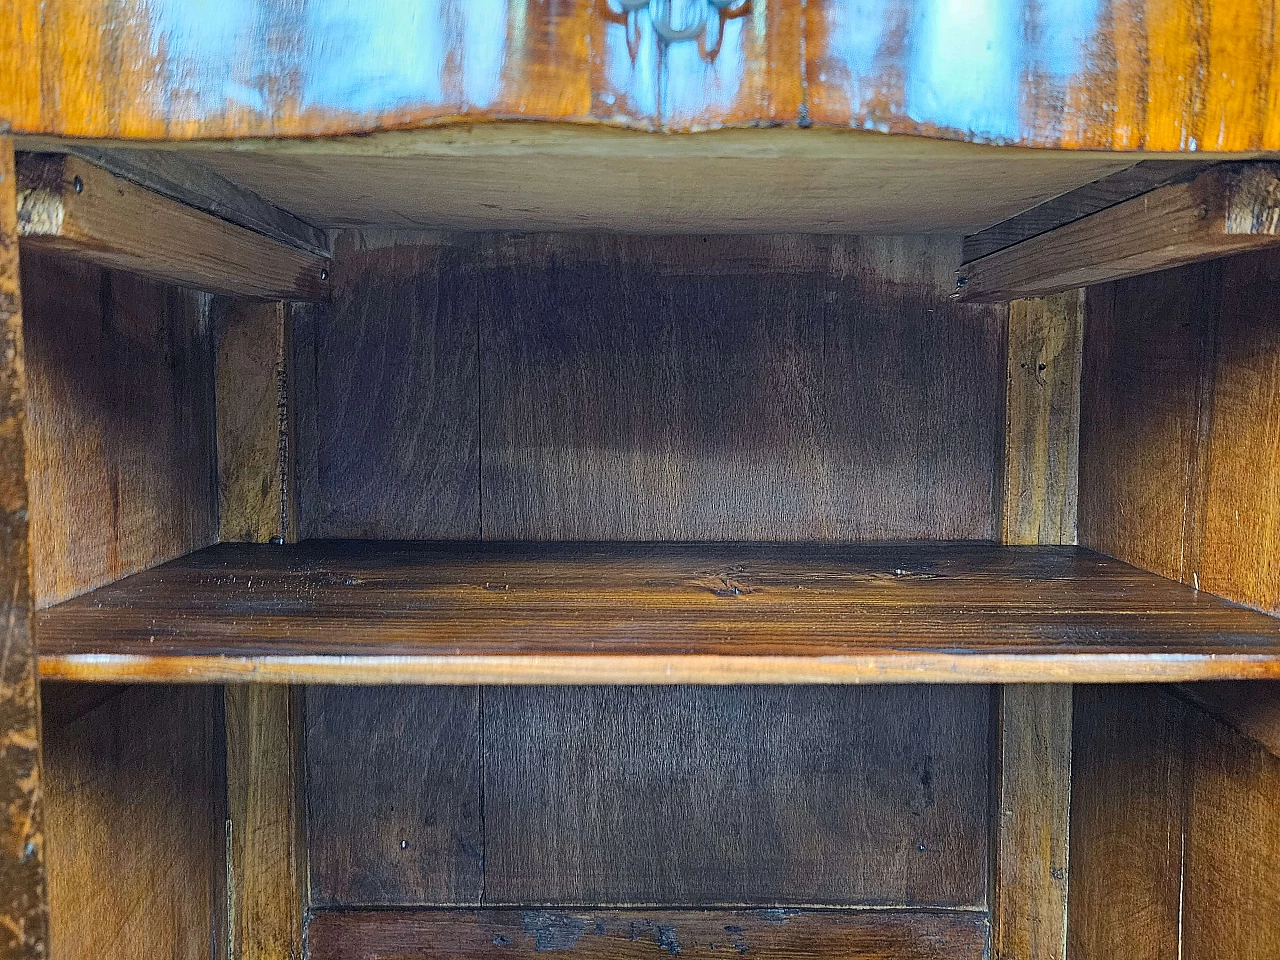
(695, 522)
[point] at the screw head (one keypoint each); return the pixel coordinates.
(77, 185)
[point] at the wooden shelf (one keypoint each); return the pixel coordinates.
(377, 612)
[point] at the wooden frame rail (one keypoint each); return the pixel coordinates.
(67, 204)
(1228, 209)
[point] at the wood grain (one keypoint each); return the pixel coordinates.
(549, 177)
(135, 825)
(1032, 827)
(1231, 889)
(327, 611)
(1145, 75)
(394, 796)
(121, 424)
(718, 795)
(182, 178)
(1251, 709)
(75, 207)
(1042, 420)
(1127, 811)
(254, 472)
(1179, 449)
(1142, 177)
(711, 388)
(636, 934)
(24, 909)
(1148, 346)
(266, 866)
(1230, 208)
(397, 438)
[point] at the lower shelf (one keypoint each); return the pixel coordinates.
(379, 612)
(647, 934)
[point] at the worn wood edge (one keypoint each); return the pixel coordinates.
(24, 897)
(1142, 177)
(650, 669)
(264, 915)
(1230, 208)
(1031, 826)
(181, 178)
(894, 933)
(71, 206)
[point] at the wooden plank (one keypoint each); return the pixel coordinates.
(181, 177)
(397, 442)
(545, 177)
(1229, 208)
(394, 796)
(700, 388)
(1127, 810)
(714, 795)
(69, 205)
(1237, 547)
(647, 934)
(120, 424)
(1142, 177)
(327, 611)
(135, 826)
(24, 910)
(1251, 709)
(1042, 419)
(1033, 801)
(255, 500)
(265, 866)
(1148, 344)
(1231, 890)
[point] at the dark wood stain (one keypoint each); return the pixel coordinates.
(397, 441)
(393, 795)
(647, 934)
(134, 806)
(762, 795)
(854, 607)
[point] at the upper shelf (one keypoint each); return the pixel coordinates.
(377, 612)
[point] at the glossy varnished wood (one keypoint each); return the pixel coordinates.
(658, 613)
(1159, 76)
(647, 934)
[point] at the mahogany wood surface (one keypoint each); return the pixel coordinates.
(1176, 76)
(470, 612)
(647, 934)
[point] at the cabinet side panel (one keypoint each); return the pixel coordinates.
(121, 414)
(134, 805)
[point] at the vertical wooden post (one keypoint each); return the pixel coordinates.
(266, 869)
(24, 909)
(1032, 742)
